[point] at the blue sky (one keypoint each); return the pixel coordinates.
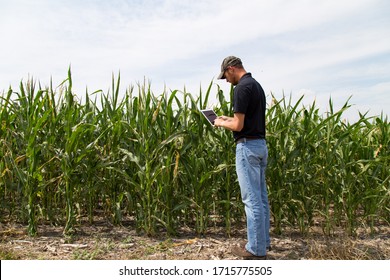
(321, 49)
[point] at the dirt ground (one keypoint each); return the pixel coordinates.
(102, 241)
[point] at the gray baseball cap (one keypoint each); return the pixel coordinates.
(228, 61)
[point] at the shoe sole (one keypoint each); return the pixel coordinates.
(255, 258)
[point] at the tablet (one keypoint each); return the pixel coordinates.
(210, 115)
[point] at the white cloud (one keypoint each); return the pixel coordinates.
(288, 45)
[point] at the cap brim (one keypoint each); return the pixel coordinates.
(221, 75)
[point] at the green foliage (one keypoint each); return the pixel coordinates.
(155, 159)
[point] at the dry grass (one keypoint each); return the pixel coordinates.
(345, 248)
(102, 241)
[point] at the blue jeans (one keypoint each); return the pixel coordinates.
(251, 162)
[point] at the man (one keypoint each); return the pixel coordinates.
(248, 126)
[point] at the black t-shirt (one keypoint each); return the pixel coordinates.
(249, 99)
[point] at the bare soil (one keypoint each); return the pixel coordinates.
(103, 241)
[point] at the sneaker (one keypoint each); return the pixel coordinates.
(240, 251)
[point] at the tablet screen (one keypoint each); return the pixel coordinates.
(210, 115)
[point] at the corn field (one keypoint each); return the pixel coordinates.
(154, 159)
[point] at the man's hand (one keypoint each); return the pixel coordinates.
(218, 122)
(235, 123)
